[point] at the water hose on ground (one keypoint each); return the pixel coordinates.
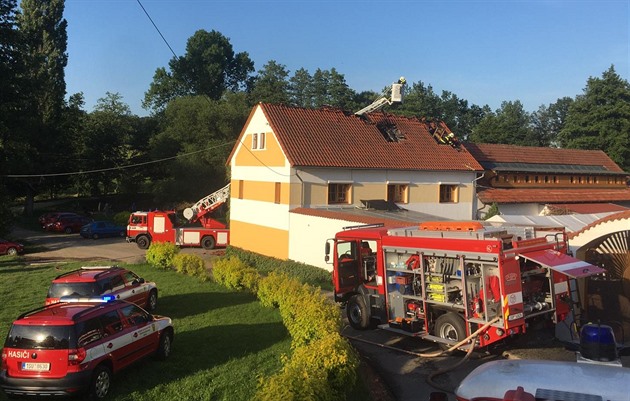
(430, 381)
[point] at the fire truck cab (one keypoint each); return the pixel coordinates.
(442, 281)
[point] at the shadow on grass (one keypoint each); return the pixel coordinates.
(12, 268)
(200, 350)
(182, 305)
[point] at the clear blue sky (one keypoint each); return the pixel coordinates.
(486, 52)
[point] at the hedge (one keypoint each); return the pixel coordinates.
(323, 365)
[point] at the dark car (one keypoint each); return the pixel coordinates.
(101, 229)
(68, 224)
(48, 218)
(10, 247)
(77, 345)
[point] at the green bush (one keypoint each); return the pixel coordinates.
(302, 272)
(191, 265)
(161, 254)
(121, 218)
(233, 273)
(323, 370)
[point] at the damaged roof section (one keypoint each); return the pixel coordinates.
(330, 137)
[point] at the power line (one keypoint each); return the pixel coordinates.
(113, 168)
(156, 28)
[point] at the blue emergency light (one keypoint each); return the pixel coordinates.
(597, 342)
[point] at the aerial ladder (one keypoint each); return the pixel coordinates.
(396, 96)
(202, 210)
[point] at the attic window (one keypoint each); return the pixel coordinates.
(390, 132)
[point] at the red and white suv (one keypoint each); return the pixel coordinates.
(75, 347)
(95, 281)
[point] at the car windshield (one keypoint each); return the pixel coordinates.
(38, 337)
(58, 290)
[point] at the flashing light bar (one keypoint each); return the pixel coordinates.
(104, 299)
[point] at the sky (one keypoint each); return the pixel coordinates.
(486, 52)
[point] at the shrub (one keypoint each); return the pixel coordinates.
(121, 218)
(302, 272)
(235, 274)
(324, 370)
(191, 265)
(161, 254)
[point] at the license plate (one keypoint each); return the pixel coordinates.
(36, 366)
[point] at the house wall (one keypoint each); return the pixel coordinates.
(308, 236)
(423, 189)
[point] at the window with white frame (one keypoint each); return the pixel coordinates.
(258, 141)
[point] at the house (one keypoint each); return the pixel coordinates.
(300, 175)
(524, 180)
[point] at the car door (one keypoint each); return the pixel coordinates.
(140, 333)
(135, 290)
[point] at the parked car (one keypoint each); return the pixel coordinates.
(100, 229)
(96, 281)
(48, 218)
(68, 224)
(76, 346)
(10, 247)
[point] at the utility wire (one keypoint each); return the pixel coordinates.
(114, 168)
(156, 28)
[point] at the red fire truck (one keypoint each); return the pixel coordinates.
(442, 281)
(163, 226)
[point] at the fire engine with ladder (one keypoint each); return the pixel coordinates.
(443, 281)
(162, 226)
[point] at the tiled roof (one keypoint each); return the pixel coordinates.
(540, 155)
(587, 208)
(329, 137)
(538, 195)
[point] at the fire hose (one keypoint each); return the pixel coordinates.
(430, 381)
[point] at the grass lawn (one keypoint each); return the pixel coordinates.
(224, 341)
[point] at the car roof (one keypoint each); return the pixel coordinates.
(88, 274)
(64, 313)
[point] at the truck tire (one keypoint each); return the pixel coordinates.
(143, 242)
(208, 242)
(358, 313)
(450, 326)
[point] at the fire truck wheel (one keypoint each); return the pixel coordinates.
(358, 313)
(143, 242)
(450, 326)
(208, 242)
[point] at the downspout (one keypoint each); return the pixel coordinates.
(474, 182)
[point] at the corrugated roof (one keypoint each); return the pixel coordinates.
(329, 137)
(538, 195)
(572, 222)
(497, 153)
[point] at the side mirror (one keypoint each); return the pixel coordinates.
(327, 251)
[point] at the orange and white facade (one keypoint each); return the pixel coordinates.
(295, 171)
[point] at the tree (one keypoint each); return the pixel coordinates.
(10, 105)
(509, 125)
(43, 36)
(300, 88)
(210, 67)
(548, 121)
(198, 134)
(600, 118)
(271, 84)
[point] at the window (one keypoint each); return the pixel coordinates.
(134, 315)
(258, 141)
(338, 193)
(89, 331)
(278, 188)
(448, 193)
(111, 323)
(546, 179)
(397, 193)
(240, 189)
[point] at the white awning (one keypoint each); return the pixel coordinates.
(563, 263)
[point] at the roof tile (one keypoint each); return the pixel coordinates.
(329, 137)
(538, 195)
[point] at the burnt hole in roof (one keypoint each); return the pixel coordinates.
(390, 132)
